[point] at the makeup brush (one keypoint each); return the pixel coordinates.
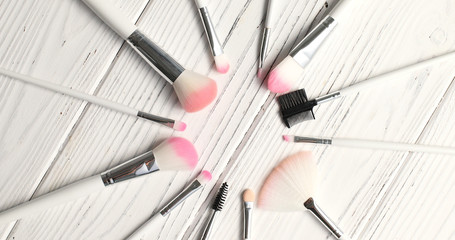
(174, 154)
(290, 70)
(291, 186)
(193, 90)
(379, 145)
(221, 60)
(216, 207)
(177, 125)
(248, 204)
(270, 19)
(296, 108)
(194, 186)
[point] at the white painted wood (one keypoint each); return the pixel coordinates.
(369, 193)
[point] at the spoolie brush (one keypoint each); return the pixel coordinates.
(174, 154)
(292, 186)
(217, 206)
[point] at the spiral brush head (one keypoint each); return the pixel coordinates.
(295, 107)
(220, 197)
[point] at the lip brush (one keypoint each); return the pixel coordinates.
(371, 144)
(268, 23)
(177, 125)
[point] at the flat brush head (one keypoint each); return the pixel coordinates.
(222, 63)
(204, 177)
(295, 107)
(290, 184)
(284, 76)
(179, 126)
(220, 197)
(194, 90)
(176, 154)
(248, 195)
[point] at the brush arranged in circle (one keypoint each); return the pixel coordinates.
(292, 186)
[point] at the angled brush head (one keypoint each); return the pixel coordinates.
(284, 76)
(176, 154)
(220, 197)
(290, 184)
(194, 90)
(295, 107)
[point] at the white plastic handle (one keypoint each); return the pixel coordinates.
(112, 16)
(147, 227)
(344, 237)
(342, 9)
(68, 193)
(272, 12)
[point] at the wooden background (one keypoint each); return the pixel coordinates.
(48, 140)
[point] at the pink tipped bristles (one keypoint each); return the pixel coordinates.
(276, 83)
(288, 138)
(222, 63)
(284, 76)
(176, 153)
(260, 73)
(179, 126)
(204, 177)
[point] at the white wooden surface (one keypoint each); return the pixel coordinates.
(48, 140)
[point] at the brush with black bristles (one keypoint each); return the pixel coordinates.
(216, 207)
(296, 108)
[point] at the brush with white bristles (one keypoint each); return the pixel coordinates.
(292, 186)
(174, 154)
(198, 183)
(221, 60)
(193, 90)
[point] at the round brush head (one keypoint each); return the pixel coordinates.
(284, 76)
(290, 184)
(179, 126)
(176, 154)
(204, 177)
(222, 63)
(194, 90)
(248, 195)
(220, 197)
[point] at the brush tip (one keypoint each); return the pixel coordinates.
(176, 153)
(288, 138)
(248, 195)
(179, 126)
(204, 177)
(220, 197)
(284, 75)
(260, 73)
(222, 63)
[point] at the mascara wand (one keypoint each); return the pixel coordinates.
(216, 207)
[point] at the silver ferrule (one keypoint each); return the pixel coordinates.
(328, 97)
(208, 228)
(154, 118)
(312, 140)
(138, 166)
(247, 219)
(264, 46)
(311, 205)
(164, 64)
(190, 189)
(215, 45)
(305, 50)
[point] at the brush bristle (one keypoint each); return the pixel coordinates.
(179, 126)
(288, 138)
(295, 107)
(290, 184)
(220, 197)
(176, 154)
(248, 195)
(194, 90)
(260, 73)
(204, 177)
(222, 63)
(284, 76)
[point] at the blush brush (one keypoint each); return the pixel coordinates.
(292, 186)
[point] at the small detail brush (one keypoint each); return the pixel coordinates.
(248, 204)
(193, 187)
(296, 108)
(221, 60)
(193, 90)
(291, 186)
(177, 125)
(216, 207)
(174, 154)
(268, 23)
(370, 144)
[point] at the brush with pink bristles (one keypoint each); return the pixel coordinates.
(193, 90)
(292, 186)
(221, 60)
(174, 154)
(193, 187)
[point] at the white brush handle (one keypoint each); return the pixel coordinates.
(342, 9)
(145, 228)
(201, 3)
(344, 237)
(68, 193)
(112, 16)
(384, 78)
(271, 15)
(71, 92)
(391, 146)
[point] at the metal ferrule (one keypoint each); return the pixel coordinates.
(164, 64)
(311, 205)
(190, 189)
(138, 166)
(214, 43)
(305, 50)
(313, 140)
(328, 97)
(209, 226)
(247, 219)
(154, 118)
(264, 46)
